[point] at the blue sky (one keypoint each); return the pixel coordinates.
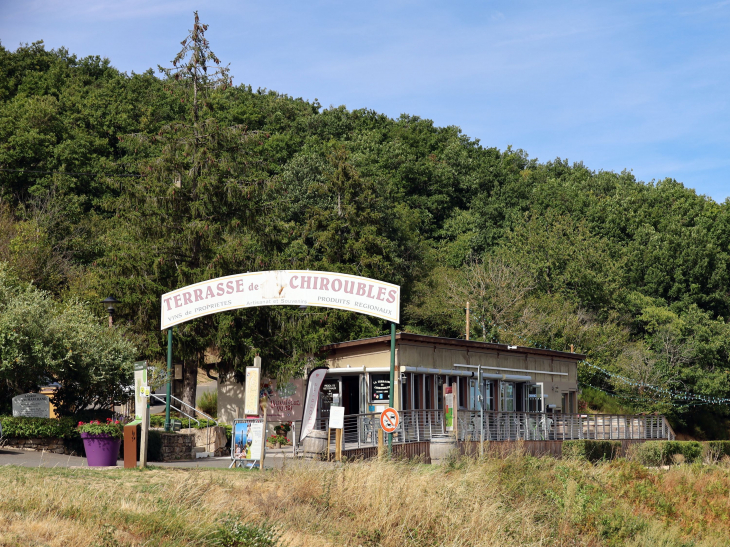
(639, 85)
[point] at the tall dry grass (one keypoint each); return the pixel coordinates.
(515, 500)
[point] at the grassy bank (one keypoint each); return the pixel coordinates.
(518, 500)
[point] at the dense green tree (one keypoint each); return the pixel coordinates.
(42, 342)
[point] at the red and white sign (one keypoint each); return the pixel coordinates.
(281, 288)
(389, 420)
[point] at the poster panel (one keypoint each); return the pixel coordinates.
(251, 395)
(449, 409)
(248, 435)
(281, 287)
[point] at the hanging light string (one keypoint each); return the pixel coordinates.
(673, 394)
(642, 399)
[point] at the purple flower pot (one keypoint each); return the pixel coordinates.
(101, 450)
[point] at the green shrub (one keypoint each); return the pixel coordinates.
(29, 428)
(716, 450)
(592, 451)
(159, 421)
(233, 533)
(603, 402)
(208, 403)
(656, 453)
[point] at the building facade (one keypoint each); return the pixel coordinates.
(515, 378)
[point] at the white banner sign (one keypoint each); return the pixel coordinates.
(311, 400)
(282, 288)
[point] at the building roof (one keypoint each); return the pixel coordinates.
(463, 344)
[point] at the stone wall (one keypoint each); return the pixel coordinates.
(212, 439)
(56, 446)
(177, 446)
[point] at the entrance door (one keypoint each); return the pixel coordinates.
(351, 394)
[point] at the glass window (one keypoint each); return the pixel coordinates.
(507, 396)
(534, 398)
(473, 394)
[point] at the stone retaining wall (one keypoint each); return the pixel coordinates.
(212, 439)
(177, 446)
(56, 446)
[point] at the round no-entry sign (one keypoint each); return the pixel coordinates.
(389, 420)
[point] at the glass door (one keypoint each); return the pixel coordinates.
(507, 396)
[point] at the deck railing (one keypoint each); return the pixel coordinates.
(361, 430)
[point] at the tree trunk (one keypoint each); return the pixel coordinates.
(190, 384)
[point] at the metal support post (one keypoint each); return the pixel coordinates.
(169, 377)
(392, 381)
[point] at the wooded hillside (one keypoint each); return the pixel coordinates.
(132, 185)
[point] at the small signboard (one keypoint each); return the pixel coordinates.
(337, 417)
(251, 397)
(248, 437)
(140, 383)
(389, 420)
(448, 408)
(380, 387)
(31, 405)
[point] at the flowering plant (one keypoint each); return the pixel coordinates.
(278, 439)
(283, 428)
(112, 428)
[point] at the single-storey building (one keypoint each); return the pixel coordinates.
(515, 378)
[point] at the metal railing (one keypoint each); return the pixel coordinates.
(161, 397)
(361, 430)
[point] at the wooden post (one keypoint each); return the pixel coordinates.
(130, 446)
(144, 436)
(467, 320)
(329, 433)
(381, 446)
(338, 445)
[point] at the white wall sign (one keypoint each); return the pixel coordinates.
(337, 417)
(282, 288)
(31, 405)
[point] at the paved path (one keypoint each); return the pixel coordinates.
(32, 458)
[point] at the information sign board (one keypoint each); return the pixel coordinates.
(140, 383)
(251, 397)
(248, 437)
(337, 417)
(31, 405)
(380, 387)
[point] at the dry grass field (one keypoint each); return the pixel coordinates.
(517, 500)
